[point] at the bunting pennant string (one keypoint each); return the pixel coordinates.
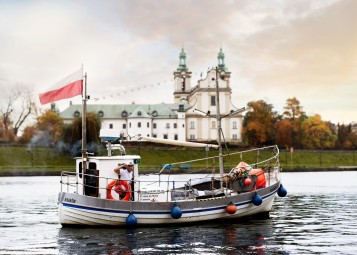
(135, 89)
(132, 90)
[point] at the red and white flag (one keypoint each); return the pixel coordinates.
(69, 87)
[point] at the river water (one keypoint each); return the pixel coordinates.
(319, 216)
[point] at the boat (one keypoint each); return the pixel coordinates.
(235, 185)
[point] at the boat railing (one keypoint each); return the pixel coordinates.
(260, 159)
(173, 188)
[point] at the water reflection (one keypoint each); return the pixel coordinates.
(239, 238)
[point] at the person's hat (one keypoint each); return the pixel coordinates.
(130, 164)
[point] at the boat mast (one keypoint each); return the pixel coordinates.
(84, 126)
(218, 117)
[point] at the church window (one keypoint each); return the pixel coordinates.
(100, 114)
(175, 125)
(183, 86)
(165, 136)
(213, 100)
(124, 114)
(234, 124)
(167, 125)
(110, 126)
(139, 113)
(213, 124)
(235, 137)
(124, 125)
(192, 137)
(154, 125)
(76, 114)
(192, 125)
(155, 114)
(176, 137)
(139, 124)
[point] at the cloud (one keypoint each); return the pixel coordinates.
(275, 49)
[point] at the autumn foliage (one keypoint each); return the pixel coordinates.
(258, 124)
(294, 128)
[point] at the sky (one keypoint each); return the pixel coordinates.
(274, 49)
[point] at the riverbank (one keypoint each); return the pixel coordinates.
(37, 161)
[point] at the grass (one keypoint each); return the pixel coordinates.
(23, 158)
(33, 159)
(317, 159)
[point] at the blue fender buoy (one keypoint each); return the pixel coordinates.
(131, 220)
(282, 192)
(176, 212)
(257, 200)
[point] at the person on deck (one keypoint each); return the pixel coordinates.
(125, 171)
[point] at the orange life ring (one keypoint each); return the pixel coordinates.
(117, 186)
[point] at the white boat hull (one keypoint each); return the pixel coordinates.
(75, 209)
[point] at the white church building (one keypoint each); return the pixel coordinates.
(178, 120)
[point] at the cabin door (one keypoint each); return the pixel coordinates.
(91, 180)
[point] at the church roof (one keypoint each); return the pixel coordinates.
(117, 111)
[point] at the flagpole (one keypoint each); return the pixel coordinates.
(84, 119)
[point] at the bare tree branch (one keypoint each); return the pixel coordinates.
(19, 106)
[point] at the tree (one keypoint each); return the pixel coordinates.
(6, 135)
(18, 107)
(346, 138)
(295, 114)
(258, 123)
(28, 133)
(73, 134)
(52, 124)
(293, 109)
(351, 141)
(283, 133)
(317, 134)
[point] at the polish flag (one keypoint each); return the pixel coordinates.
(69, 87)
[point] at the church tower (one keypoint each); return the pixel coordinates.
(182, 79)
(224, 74)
